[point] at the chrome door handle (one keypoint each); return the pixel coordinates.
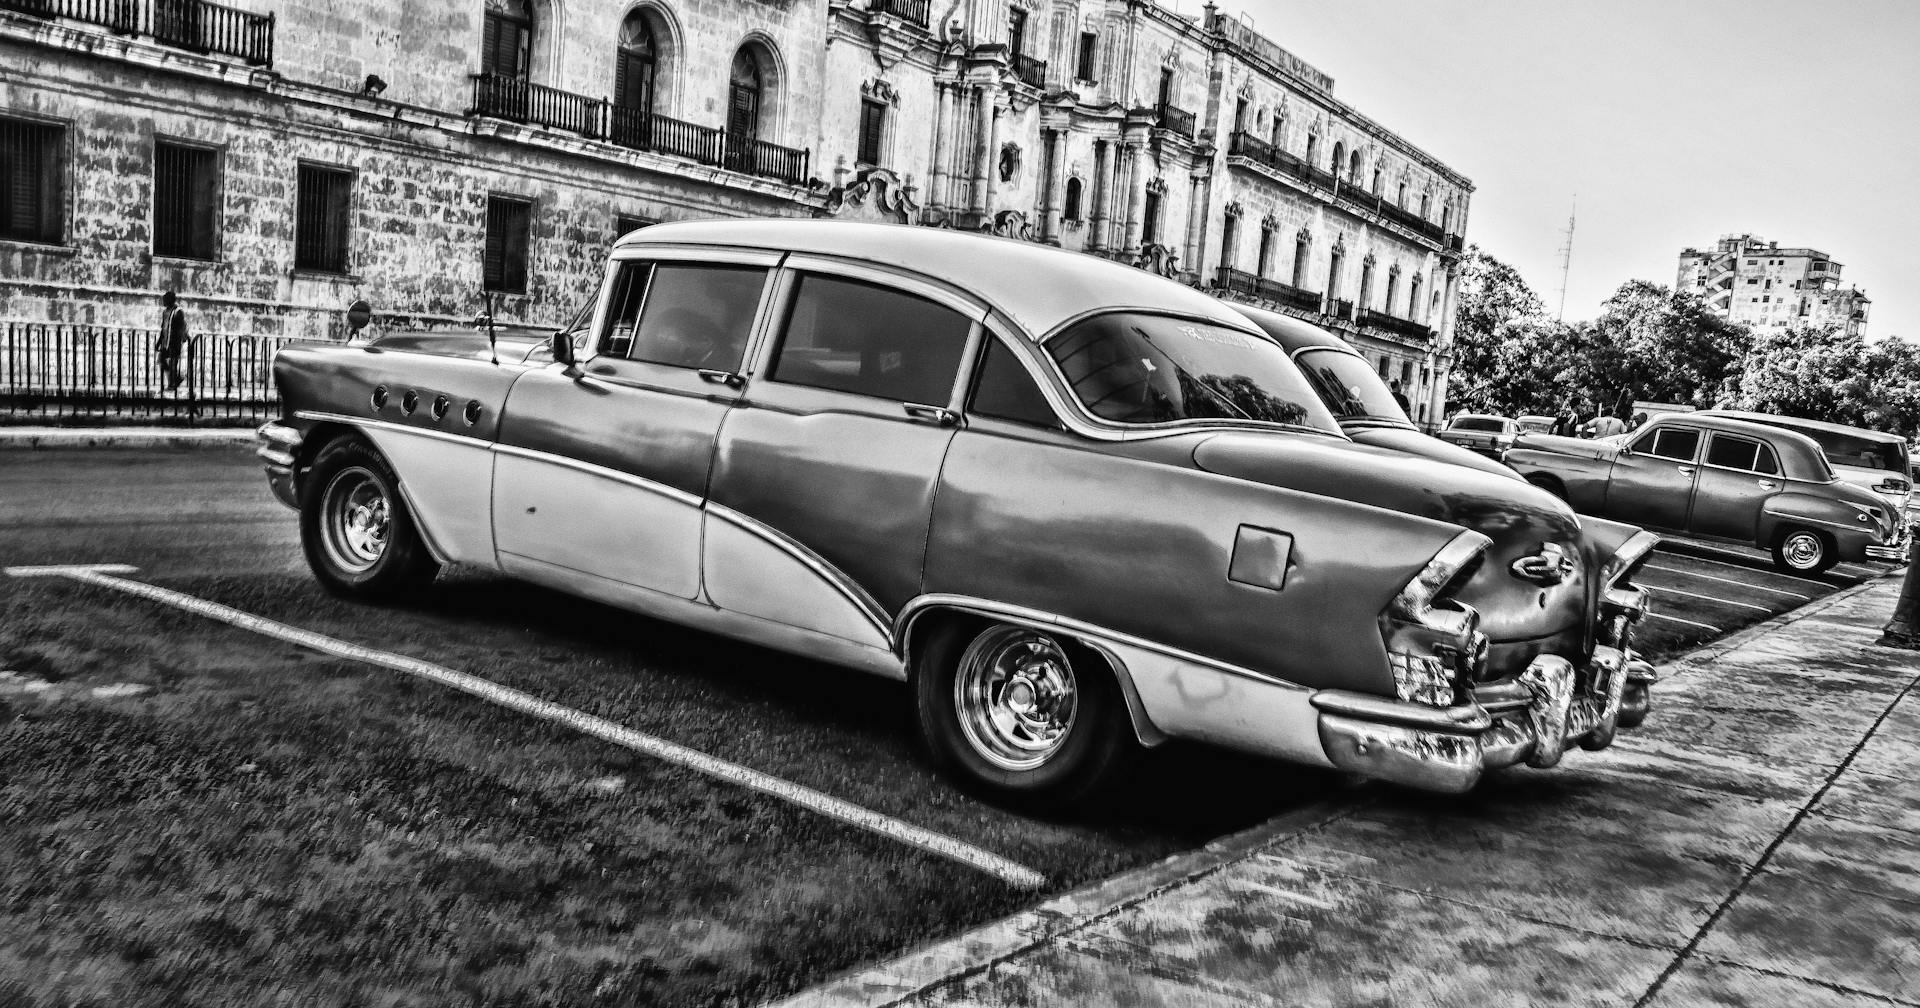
(933, 414)
(727, 378)
(1685, 470)
(1768, 485)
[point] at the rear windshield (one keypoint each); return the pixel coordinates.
(1133, 368)
(1349, 387)
(1845, 449)
(1494, 424)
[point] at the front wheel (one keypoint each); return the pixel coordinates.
(1021, 712)
(356, 531)
(1803, 551)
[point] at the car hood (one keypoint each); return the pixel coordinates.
(1523, 615)
(471, 343)
(1412, 442)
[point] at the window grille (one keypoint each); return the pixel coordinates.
(506, 249)
(185, 184)
(321, 206)
(873, 123)
(31, 202)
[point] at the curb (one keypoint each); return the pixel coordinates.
(59, 438)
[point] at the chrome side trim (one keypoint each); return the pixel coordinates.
(827, 572)
(674, 494)
(1870, 527)
(426, 534)
(397, 428)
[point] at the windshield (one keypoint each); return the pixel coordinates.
(1479, 423)
(1134, 368)
(1349, 387)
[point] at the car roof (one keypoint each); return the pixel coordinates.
(1292, 333)
(1775, 420)
(1482, 416)
(1807, 451)
(1039, 287)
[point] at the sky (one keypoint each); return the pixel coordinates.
(1669, 122)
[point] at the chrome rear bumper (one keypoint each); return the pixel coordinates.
(1533, 719)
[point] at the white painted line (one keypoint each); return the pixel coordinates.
(1676, 619)
(1013, 874)
(1756, 570)
(1710, 598)
(1743, 584)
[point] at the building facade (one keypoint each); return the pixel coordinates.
(1764, 286)
(277, 161)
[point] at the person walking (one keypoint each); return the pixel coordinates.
(172, 340)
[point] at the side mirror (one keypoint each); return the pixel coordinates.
(561, 343)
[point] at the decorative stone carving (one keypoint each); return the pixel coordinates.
(1305, 235)
(1233, 208)
(878, 194)
(879, 90)
(1009, 161)
(1009, 224)
(1269, 223)
(1157, 186)
(1158, 259)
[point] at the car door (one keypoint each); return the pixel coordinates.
(1652, 480)
(602, 468)
(825, 473)
(1736, 477)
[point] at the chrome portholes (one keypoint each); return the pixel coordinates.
(472, 413)
(355, 519)
(379, 398)
(1016, 696)
(440, 406)
(409, 402)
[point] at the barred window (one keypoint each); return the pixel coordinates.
(185, 185)
(624, 224)
(32, 203)
(1089, 46)
(873, 125)
(320, 218)
(506, 252)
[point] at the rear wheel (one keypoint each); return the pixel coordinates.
(1549, 484)
(1803, 551)
(1022, 713)
(355, 529)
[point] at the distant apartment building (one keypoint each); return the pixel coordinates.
(1764, 286)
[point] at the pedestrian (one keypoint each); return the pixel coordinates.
(1564, 424)
(1606, 424)
(172, 339)
(1639, 419)
(1399, 396)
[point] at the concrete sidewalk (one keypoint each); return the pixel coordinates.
(31, 438)
(1757, 842)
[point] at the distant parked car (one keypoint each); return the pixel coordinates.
(1862, 457)
(1533, 423)
(1720, 478)
(1486, 433)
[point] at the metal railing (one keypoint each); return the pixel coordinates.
(1253, 148)
(1031, 71)
(517, 99)
(53, 372)
(1286, 294)
(1394, 324)
(916, 11)
(1175, 118)
(1239, 281)
(1339, 308)
(194, 25)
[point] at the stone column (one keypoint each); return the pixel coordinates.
(1097, 208)
(1136, 199)
(1443, 361)
(937, 166)
(1198, 197)
(1056, 187)
(986, 124)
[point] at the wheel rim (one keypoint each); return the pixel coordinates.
(1803, 549)
(1016, 697)
(355, 519)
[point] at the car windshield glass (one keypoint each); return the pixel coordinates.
(1475, 423)
(1350, 387)
(1135, 368)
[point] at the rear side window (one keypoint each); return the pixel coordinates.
(1732, 452)
(1005, 391)
(1766, 463)
(1677, 443)
(850, 336)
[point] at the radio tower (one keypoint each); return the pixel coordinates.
(1566, 260)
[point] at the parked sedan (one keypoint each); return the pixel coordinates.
(1485, 433)
(1862, 457)
(1721, 478)
(1078, 508)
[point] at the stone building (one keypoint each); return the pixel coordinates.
(278, 160)
(1758, 283)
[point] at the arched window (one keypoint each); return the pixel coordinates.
(1393, 287)
(1426, 203)
(1339, 157)
(1446, 217)
(1366, 284)
(1334, 263)
(1308, 156)
(635, 65)
(745, 89)
(1279, 131)
(1073, 199)
(1265, 265)
(1376, 181)
(1353, 167)
(506, 47)
(1300, 250)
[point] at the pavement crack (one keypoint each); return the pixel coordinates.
(1838, 988)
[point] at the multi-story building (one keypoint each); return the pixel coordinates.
(1764, 286)
(277, 161)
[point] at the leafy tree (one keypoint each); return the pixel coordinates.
(1825, 373)
(1651, 342)
(1498, 326)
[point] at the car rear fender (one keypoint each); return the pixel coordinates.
(1838, 519)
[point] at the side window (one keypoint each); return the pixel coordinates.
(850, 336)
(1005, 391)
(1732, 452)
(1677, 443)
(629, 292)
(693, 315)
(1766, 463)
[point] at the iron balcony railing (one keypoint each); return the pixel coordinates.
(193, 25)
(1031, 71)
(1287, 295)
(1388, 322)
(517, 99)
(51, 372)
(1339, 308)
(1175, 118)
(1239, 281)
(1255, 149)
(916, 11)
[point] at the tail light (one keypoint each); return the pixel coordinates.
(1622, 604)
(1433, 641)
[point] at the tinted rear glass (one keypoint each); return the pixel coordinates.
(1479, 424)
(1349, 387)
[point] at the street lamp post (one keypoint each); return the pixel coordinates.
(1903, 630)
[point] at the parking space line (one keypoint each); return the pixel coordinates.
(1007, 871)
(1710, 598)
(1743, 584)
(1676, 619)
(1756, 570)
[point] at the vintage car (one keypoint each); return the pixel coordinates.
(1862, 457)
(1079, 508)
(1720, 478)
(1534, 423)
(1485, 433)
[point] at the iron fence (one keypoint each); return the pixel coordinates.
(1175, 118)
(915, 11)
(63, 373)
(193, 25)
(1394, 324)
(1032, 71)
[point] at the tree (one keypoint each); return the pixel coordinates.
(1825, 373)
(1651, 342)
(1499, 324)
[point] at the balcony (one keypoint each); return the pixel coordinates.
(1339, 309)
(1238, 281)
(1175, 119)
(1289, 296)
(1253, 148)
(915, 11)
(193, 25)
(516, 99)
(1394, 324)
(1031, 72)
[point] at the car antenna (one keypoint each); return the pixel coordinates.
(493, 351)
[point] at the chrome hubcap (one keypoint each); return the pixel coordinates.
(355, 520)
(1802, 549)
(1016, 697)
